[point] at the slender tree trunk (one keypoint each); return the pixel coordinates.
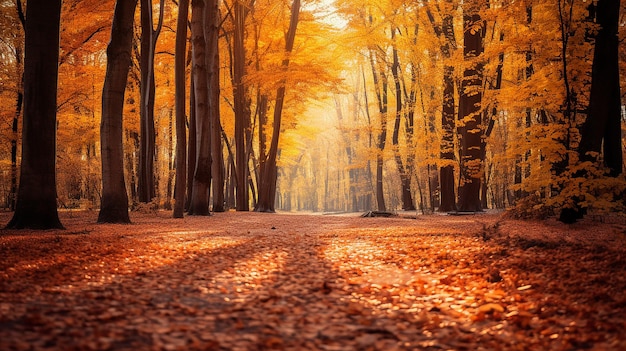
(36, 206)
(470, 116)
(14, 136)
(267, 188)
(193, 135)
(114, 202)
(405, 174)
(242, 107)
(149, 36)
(202, 173)
(181, 98)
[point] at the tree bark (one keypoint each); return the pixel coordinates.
(242, 107)
(199, 204)
(149, 36)
(469, 114)
(601, 131)
(181, 99)
(36, 206)
(404, 171)
(446, 171)
(114, 202)
(215, 128)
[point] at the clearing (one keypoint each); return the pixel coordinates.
(250, 281)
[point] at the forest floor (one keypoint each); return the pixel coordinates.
(250, 281)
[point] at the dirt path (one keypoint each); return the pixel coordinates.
(248, 281)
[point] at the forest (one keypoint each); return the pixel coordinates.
(318, 106)
(312, 175)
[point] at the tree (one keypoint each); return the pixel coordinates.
(470, 111)
(405, 170)
(36, 206)
(212, 25)
(114, 202)
(601, 140)
(446, 171)
(241, 104)
(199, 204)
(181, 96)
(149, 36)
(267, 188)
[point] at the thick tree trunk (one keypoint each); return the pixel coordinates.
(36, 206)
(114, 202)
(181, 99)
(215, 128)
(202, 173)
(470, 116)
(267, 188)
(601, 131)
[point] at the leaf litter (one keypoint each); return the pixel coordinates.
(250, 281)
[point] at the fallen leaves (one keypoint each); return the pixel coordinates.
(247, 281)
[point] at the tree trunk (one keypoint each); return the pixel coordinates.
(446, 171)
(380, 85)
(202, 173)
(470, 116)
(242, 107)
(36, 206)
(404, 171)
(147, 152)
(601, 131)
(193, 135)
(114, 202)
(181, 98)
(14, 136)
(213, 65)
(267, 188)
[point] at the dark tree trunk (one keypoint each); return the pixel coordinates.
(114, 202)
(267, 188)
(199, 204)
(215, 127)
(446, 170)
(181, 129)
(381, 87)
(147, 187)
(601, 131)
(191, 151)
(469, 114)
(242, 107)
(403, 170)
(14, 135)
(36, 206)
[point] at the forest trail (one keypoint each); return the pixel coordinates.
(251, 281)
